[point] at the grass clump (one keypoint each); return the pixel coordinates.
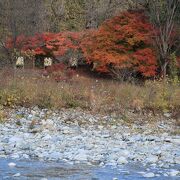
(2, 115)
(88, 93)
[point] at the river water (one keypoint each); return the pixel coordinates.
(37, 170)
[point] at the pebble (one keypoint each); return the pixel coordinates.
(149, 175)
(174, 172)
(17, 175)
(86, 138)
(122, 160)
(152, 159)
(11, 164)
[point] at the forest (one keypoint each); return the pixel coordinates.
(125, 38)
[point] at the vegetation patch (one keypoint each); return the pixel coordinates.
(106, 96)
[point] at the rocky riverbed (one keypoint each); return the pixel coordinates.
(75, 137)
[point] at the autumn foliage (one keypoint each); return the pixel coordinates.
(46, 44)
(123, 42)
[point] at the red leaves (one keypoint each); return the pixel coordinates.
(46, 43)
(145, 61)
(124, 42)
(39, 51)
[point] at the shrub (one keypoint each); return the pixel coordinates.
(46, 44)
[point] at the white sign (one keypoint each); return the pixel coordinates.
(47, 62)
(73, 62)
(20, 61)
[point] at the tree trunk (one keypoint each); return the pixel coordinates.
(164, 69)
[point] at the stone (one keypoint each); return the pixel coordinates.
(47, 137)
(15, 156)
(48, 124)
(66, 131)
(105, 135)
(81, 156)
(25, 156)
(15, 139)
(17, 175)
(149, 175)
(152, 159)
(11, 164)
(168, 115)
(176, 141)
(177, 160)
(124, 153)
(174, 172)
(55, 155)
(122, 160)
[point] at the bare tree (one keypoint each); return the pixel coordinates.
(97, 11)
(163, 14)
(19, 17)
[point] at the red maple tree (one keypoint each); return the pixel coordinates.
(47, 44)
(122, 42)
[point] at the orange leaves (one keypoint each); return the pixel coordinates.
(46, 43)
(145, 61)
(124, 42)
(39, 51)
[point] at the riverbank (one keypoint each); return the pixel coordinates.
(75, 137)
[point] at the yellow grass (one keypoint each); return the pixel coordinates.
(31, 89)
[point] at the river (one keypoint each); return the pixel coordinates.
(37, 170)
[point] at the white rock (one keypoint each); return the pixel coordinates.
(125, 153)
(25, 156)
(48, 124)
(11, 164)
(175, 141)
(15, 156)
(173, 172)
(55, 155)
(152, 159)
(15, 139)
(66, 131)
(30, 116)
(149, 175)
(17, 175)
(122, 160)
(47, 137)
(177, 160)
(111, 163)
(82, 155)
(105, 135)
(168, 115)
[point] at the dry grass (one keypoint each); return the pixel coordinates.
(2, 115)
(31, 89)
